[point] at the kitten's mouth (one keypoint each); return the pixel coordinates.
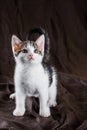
(30, 58)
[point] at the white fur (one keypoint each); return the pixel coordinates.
(31, 80)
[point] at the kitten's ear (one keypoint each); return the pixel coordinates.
(40, 42)
(15, 41)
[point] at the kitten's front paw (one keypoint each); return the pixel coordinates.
(52, 103)
(45, 113)
(12, 96)
(19, 112)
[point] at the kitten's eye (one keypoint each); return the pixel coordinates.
(36, 51)
(25, 51)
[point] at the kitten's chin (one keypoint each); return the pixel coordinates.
(26, 60)
(34, 62)
(29, 61)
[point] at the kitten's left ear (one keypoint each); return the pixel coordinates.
(40, 42)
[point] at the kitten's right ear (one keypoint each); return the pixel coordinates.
(15, 41)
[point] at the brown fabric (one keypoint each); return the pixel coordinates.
(66, 24)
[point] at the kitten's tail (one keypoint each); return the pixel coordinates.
(39, 31)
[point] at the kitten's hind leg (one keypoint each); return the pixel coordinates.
(52, 95)
(12, 96)
(52, 103)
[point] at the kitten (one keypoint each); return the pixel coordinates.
(32, 76)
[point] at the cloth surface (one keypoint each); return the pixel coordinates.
(66, 24)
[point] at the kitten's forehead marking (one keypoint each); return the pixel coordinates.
(32, 44)
(23, 44)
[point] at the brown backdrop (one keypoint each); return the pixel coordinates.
(66, 24)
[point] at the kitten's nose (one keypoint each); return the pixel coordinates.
(30, 56)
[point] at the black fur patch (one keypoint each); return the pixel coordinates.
(48, 68)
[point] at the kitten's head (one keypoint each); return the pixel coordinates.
(28, 51)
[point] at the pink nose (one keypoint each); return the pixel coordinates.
(30, 56)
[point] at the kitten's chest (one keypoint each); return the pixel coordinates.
(33, 80)
(34, 76)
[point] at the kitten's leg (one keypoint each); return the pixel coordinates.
(20, 104)
(52, 94)
(12, 96)
(44, 107)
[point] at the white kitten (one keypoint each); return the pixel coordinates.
(32, 76)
